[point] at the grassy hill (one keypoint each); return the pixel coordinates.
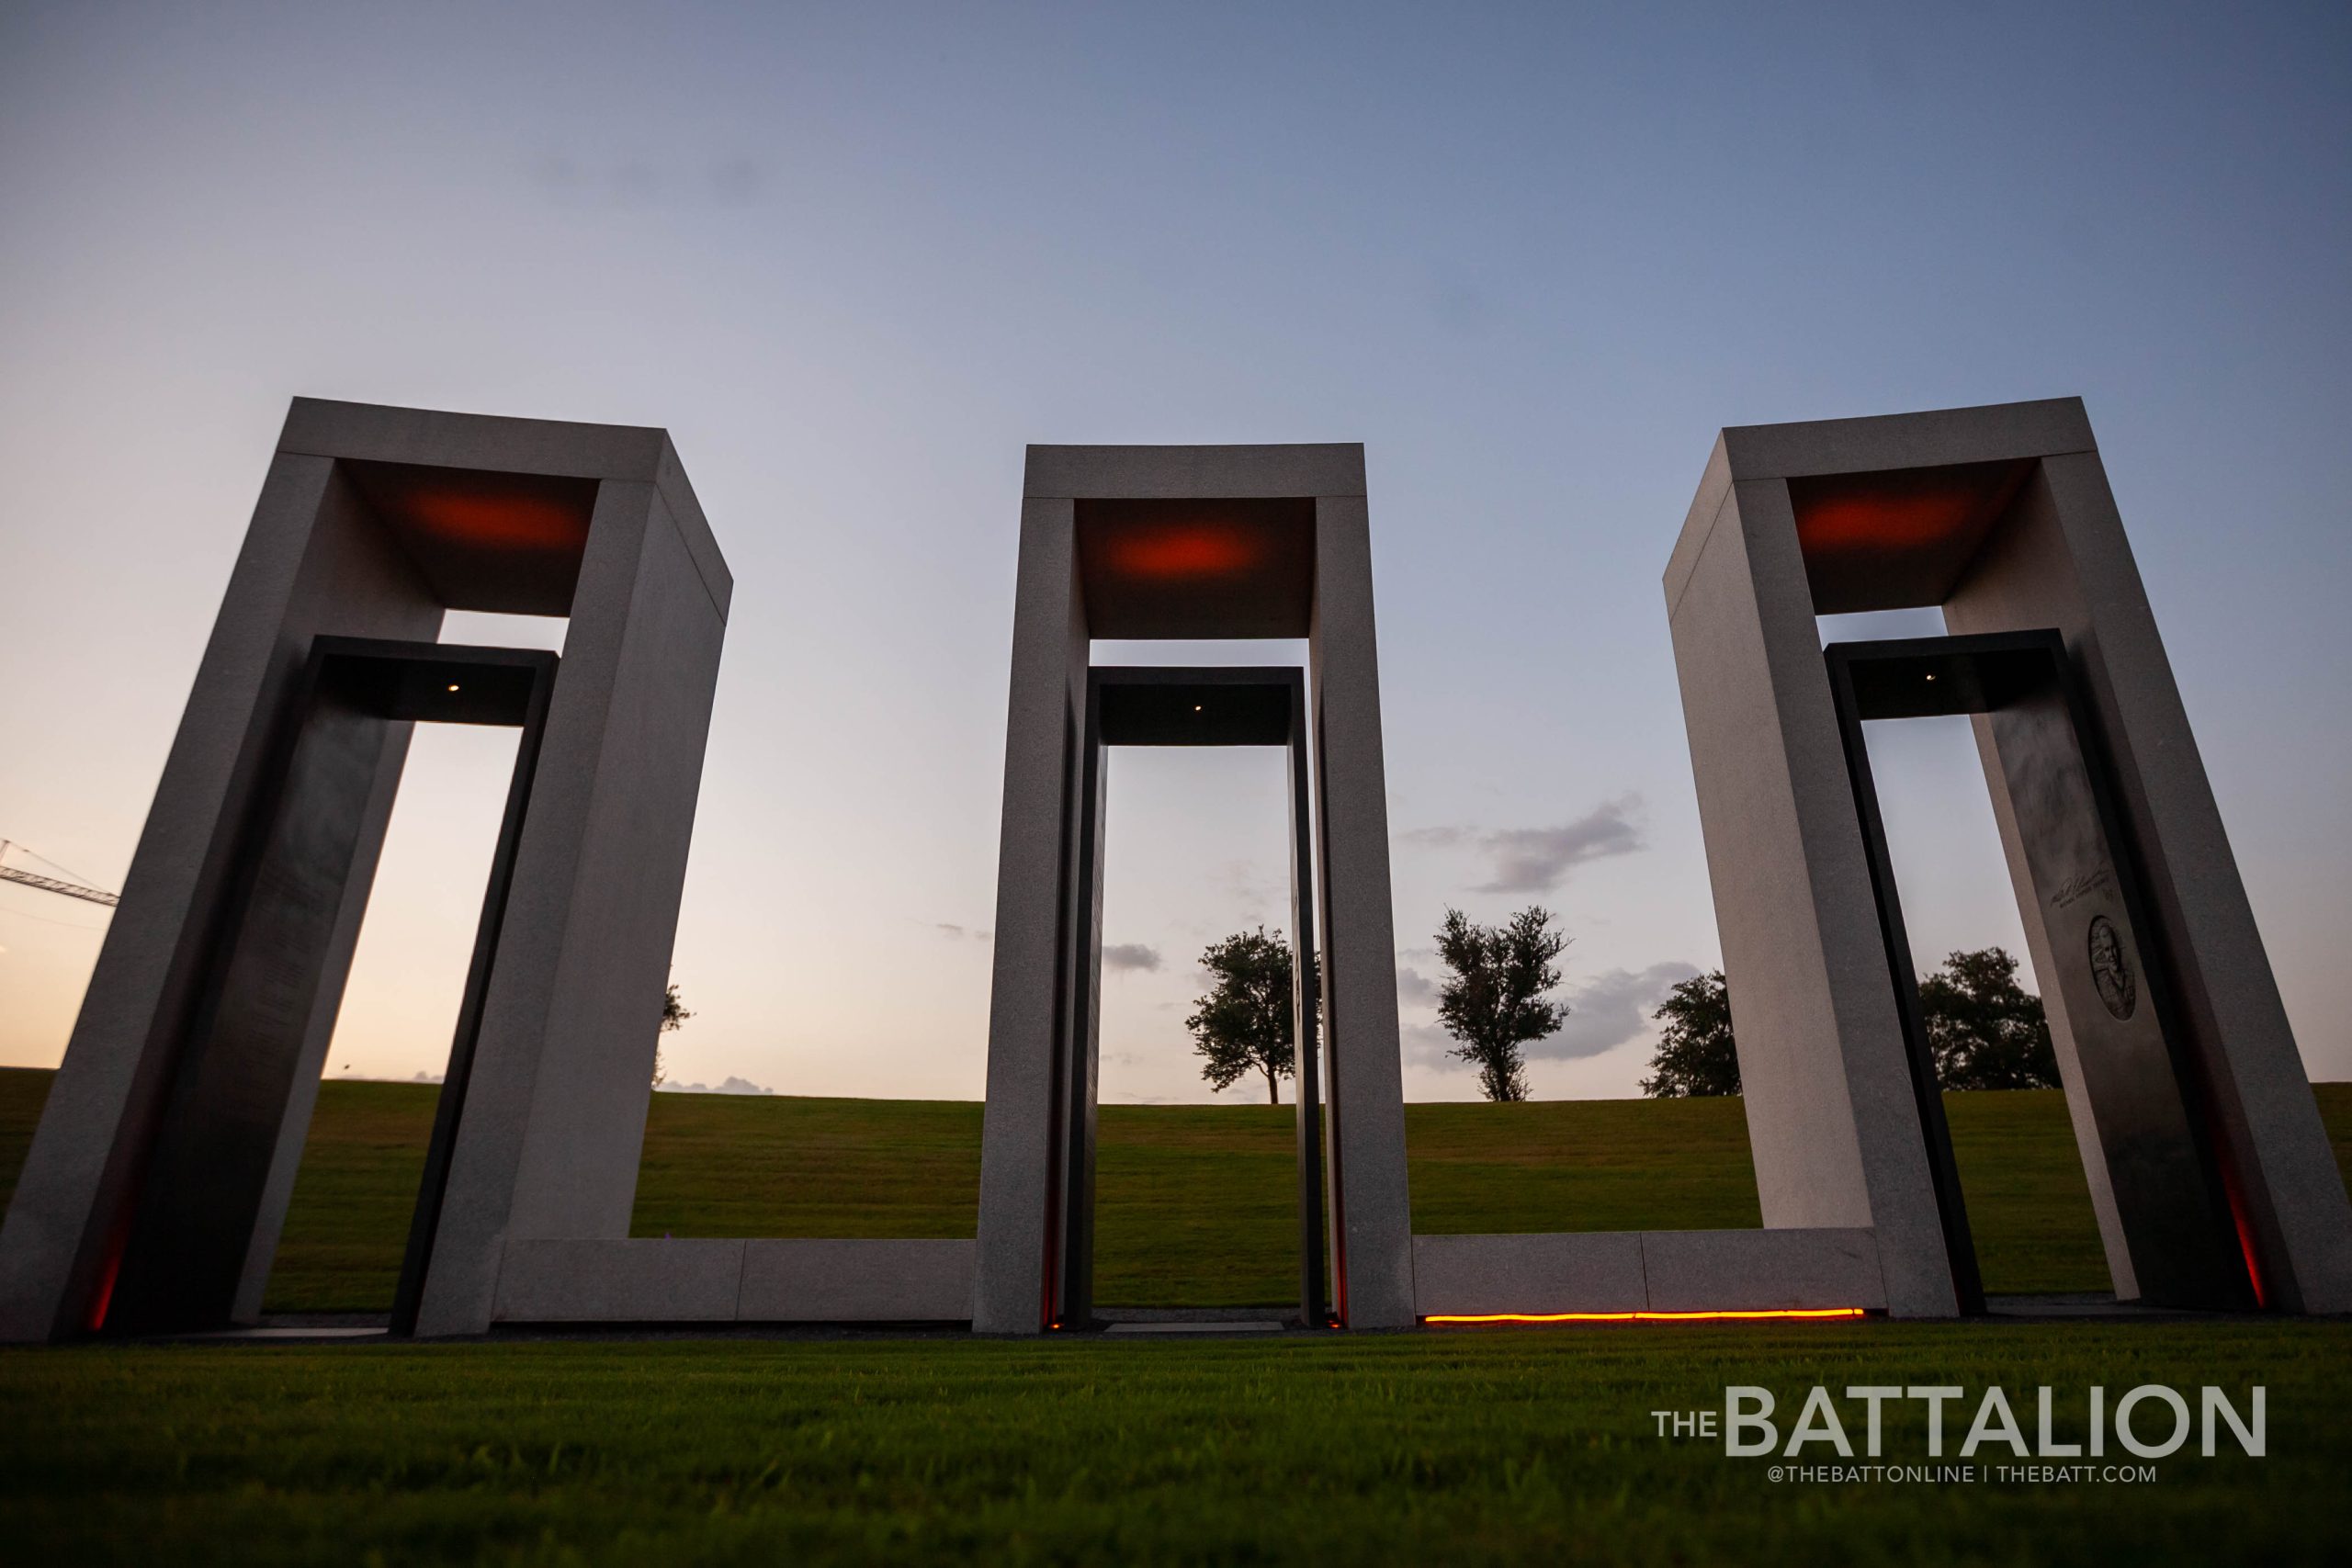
(1478, 1446)
(1195, 1203)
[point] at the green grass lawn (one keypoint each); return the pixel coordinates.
(1464, 1448)
(1195, 1203)
(1480, 1445)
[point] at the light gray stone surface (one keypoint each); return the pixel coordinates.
(857, 1282)
(1043, 727)
(1763, 1271)
(310, 563)
(1834, 1132)
(1836, 1139)
(1564, 1271)
(735, 1281)
(1372, 1220)
(495, 444)
(1190, 473)
(1037, 931)
(554, 1116)
(1934, 438)
(1598, 1271)
(619, 1281)
(584, 943)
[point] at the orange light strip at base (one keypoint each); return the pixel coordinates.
(1639, 1317)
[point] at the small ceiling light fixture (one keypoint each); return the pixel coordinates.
(1931, 677)
(453, 685)
(1196, 708)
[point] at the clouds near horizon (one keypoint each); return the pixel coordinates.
(1604, 1013)
(1609, 1010)
(1538, 860)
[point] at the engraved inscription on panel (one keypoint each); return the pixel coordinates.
(2090, 885)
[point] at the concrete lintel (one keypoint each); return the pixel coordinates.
(1932, 438)
(620, 1281)
(857, 1282)
(494, 443)
(1742, 453)
(1190, 473)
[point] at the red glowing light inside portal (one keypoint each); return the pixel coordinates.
(500, 522)
(1834, 524)
(1183, 552)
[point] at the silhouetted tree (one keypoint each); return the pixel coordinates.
(1983, 1030)
(1496, 1000)
(1695, 1055)
(1986, 1029)
(1243, 1024)
(674, 1017)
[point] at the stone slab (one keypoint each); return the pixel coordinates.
(620, 1281)
(1761, 1270)
(1598, 1271)
(857, 1282)
(1564, 1271)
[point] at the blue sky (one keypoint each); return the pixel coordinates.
(854, 257)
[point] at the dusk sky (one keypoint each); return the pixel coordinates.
(854, 257)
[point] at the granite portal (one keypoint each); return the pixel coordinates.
(2208, 1164)
(1188, 542)
(153, 1194)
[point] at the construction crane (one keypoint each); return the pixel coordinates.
(52, 883)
